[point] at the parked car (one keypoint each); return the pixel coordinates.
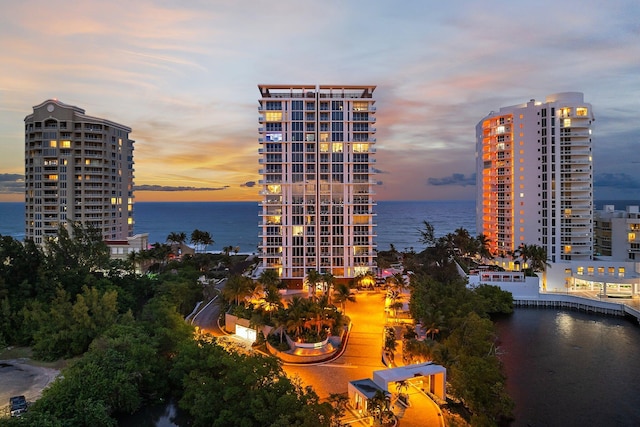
(18, 405)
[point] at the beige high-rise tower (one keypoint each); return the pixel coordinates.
(77, 168)
(316, 157)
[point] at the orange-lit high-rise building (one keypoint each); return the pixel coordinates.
(316, 157)
(535, 177)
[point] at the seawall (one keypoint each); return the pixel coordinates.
(578, 303)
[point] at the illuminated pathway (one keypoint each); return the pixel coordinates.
(363, 355)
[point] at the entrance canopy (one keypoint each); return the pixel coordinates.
(435, 376)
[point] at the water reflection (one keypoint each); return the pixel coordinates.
(571, 368)
(167, 415)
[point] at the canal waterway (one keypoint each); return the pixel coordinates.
(569, 368)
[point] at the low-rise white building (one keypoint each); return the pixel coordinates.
(617, 233)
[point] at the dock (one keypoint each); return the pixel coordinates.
(573, 302)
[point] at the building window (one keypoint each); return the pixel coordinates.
(273, 116)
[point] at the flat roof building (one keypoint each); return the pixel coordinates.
(77, 168)
(317, 160)
(617, 233)
(535, 177)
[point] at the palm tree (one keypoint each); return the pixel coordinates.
(313, 278)
(201, 239)
(539, 262)
(314, 317)
(257, 290)
(328, 280)
(144, 258)
(433, 322)
(394, 296)
(257, 322)
(133, 258)
(269, 278)
(378, 405)
(271, 301)
(390, 342)
(462, 240)
(237, 288)
(177, 238)
(296, 315)
(539, 259)
(449, 241)
(484, 244)
(342, 294)
(160, 252)
(402, 387)
(365, 278)
(280, 321)
(397, 280)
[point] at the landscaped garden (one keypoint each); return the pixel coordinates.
(302, 320)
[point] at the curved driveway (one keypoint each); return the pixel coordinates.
(362, 356)
(363, 353)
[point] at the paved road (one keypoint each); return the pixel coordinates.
(18, 377)
(207, 318)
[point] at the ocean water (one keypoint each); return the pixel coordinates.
(236, 223)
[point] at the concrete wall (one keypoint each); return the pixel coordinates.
(529, 288)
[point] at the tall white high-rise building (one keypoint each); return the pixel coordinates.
(535, 177)
(77, 168)
(317, 165)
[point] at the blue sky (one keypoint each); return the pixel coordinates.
(184, 76)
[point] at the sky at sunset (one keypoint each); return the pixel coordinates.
(184, 75)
